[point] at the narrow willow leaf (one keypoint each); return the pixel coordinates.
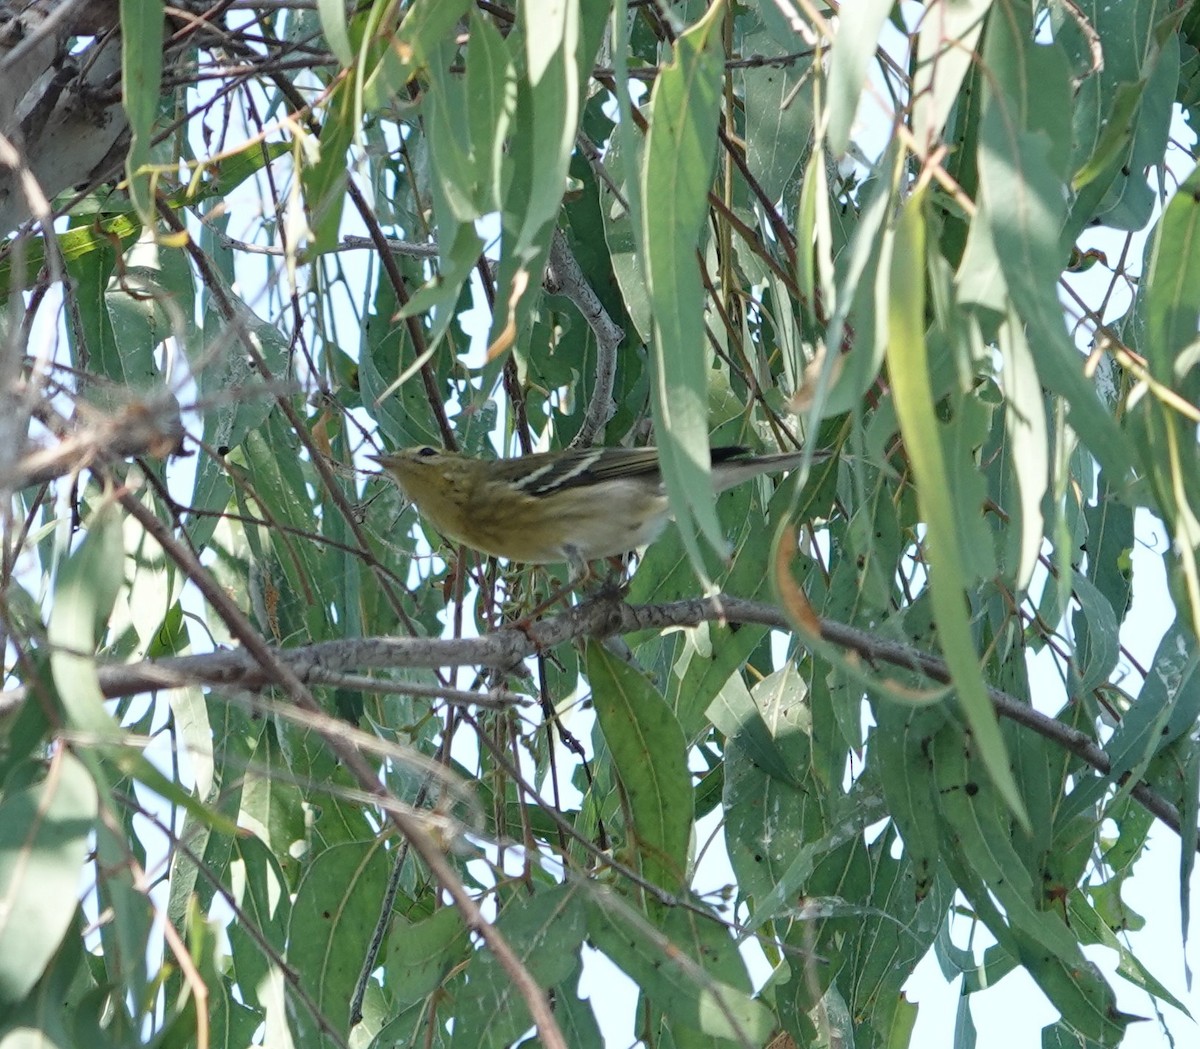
(908, 369)
(1097, 657)
(1172, 313)
(492, 89)
(73, 244)
(337, 35)
(815, 234)
(1109, 546)
(549, 106)
(680, 152)
(324, 181)
(424, 28)
(552, 78)
(44, 837)
(852, 51)
(454, 170)
(946, 42)
(1022, 159)
(84, 594)
(141, 76)
(861, 307)
(649, 752)
(622, 234)
(1028, 443)
(1189, 816)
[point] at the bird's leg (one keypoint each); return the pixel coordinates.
(580, 572)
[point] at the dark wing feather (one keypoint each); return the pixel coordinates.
(542, 474)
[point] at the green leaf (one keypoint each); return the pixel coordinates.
(649, 753)
(102, 235)
(55, 1014)
(421, 954)
(424, 28)
(545, 931)
(1098, 643)
(979, 848)
(84, 594)
(454, 169)
(779, 120)
(142, 28)
(905, 773)
(1091, 928)
(553, 63)
(460, 194)
(680, 151)
(44, 838)
(1109, 547)
(336, 30)
(844, 378)
(1167, 707)
(1172, 290)
(908, 368)
(1028, 443)
(334, 914)
(946, 47)
(492, 89)
(703, 672)
(622, 233)
(852, 51)
(264, 896)
(94, 344)
(1022, 157)
(736, 715)
(676, 983)
(324, 181)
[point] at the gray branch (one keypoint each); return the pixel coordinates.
(506, 650)
(564, 276)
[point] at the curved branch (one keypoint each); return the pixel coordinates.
(564, 276)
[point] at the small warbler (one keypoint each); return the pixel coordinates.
(575, 506)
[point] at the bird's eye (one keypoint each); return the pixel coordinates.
(426, 452)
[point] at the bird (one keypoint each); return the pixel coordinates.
(573, 506)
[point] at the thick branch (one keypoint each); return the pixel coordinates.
(506, 649)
